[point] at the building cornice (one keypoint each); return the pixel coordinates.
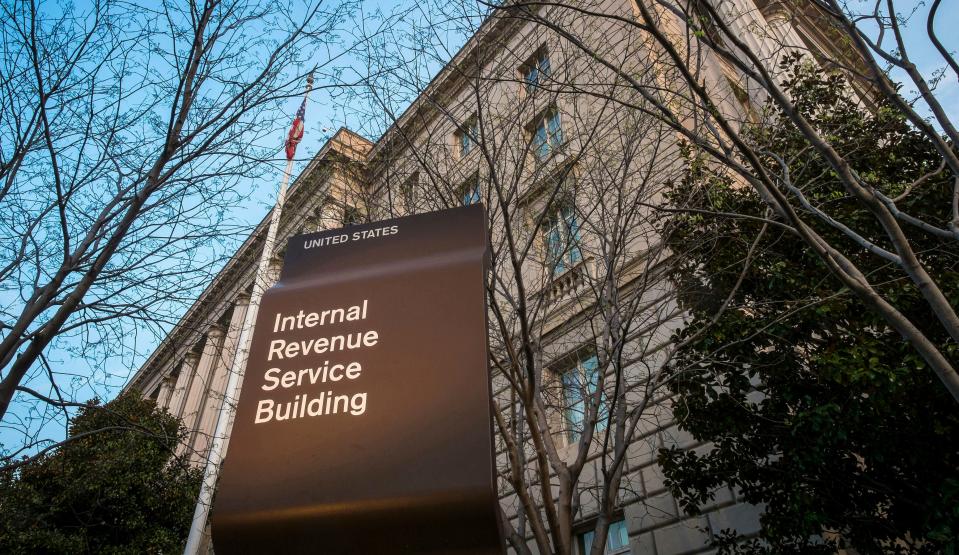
(449, 77)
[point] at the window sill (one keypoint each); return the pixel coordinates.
(564, 285)
(555, 153)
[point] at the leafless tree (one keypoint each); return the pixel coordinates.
(687, 40)
(688, 74)
(580, 310)
(127, 129)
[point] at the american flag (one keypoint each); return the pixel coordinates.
(296, 131)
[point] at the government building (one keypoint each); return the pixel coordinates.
(539, 117)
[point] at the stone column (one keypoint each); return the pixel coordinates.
(329, 215)
(211, 409)
(740, 17)
(166, 391)
(748, 24)
(276, 266)
(314, 222)
(200, 385)
(782, 32)
(182, 385)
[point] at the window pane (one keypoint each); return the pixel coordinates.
(575, 403)
(540, 143)
(555, 245)
(561, 237)
(569, 216)
(408, 189)
(590, 364)
(543, 66)
(579, 384)
(574, 254)
(471, 194)
(618, 537)
(547, 136)
(588, 541)
(468, 136)
(534, 75)
(589, 369)
(555, 132)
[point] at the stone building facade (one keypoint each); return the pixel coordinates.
(518, 109)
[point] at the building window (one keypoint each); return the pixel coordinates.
(351, 216)
(617, 539)
(547, 134)
(535, 71)
(562, 239)
(471, 193)
(408, 190)
(580, 382)
(467, 136)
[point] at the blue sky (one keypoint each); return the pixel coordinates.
(925, 56)
(326, 113)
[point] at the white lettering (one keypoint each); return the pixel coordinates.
(358, 408)
(353, 370)
(269, 378)
(276, 348)
(264, 406)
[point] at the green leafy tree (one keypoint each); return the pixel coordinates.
(814, 406)
(113, 487)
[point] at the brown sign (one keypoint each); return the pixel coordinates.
(364, 421)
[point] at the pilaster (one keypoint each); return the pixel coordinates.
(183, 381)
(166, 391)
(201, 381)
(221, 373)
(782, 32)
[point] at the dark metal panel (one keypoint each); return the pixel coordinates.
(407, 467)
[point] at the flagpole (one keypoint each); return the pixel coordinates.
(225, 417)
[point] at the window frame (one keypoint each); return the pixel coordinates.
(467, 136)
(562, 237)
(535, 70)
(586, 381)
(408, 189)
(621, 527)
(471, 191)
(546, 134)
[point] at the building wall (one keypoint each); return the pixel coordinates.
(610, 153)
